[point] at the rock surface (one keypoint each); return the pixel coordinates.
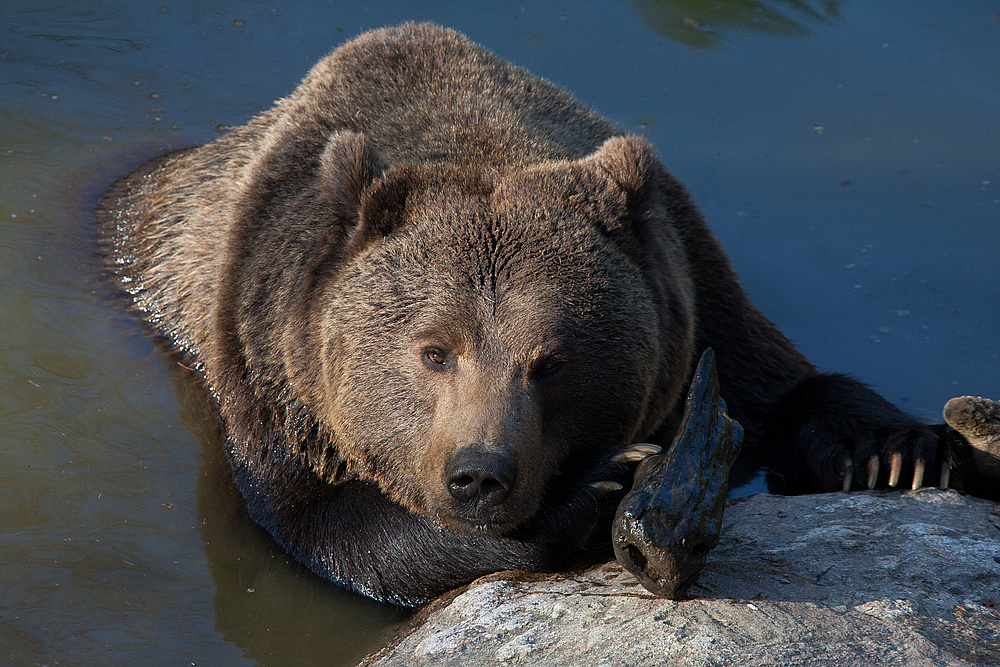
(874, 578)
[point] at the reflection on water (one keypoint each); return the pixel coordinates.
(264, 601)
(705, 23)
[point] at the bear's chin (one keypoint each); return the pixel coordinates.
(500, 522)
(484, 528)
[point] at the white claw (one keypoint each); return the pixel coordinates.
(918, 474)
(872, 471)
(895, 469)
(629, 456)
(848, 467)
(636, 452)
(945, 475)
(607, 486)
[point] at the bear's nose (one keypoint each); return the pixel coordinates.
(480, 478)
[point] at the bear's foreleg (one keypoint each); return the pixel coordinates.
(830, 432)
(351, 534)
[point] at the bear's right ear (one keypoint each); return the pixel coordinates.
(368, 202)
(348, 166)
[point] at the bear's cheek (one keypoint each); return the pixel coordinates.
(380, 414)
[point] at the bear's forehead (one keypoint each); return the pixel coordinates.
(500, 282)
(509, 249)
(551, 198)
(524, 243)
(537, 220)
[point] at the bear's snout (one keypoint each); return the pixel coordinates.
(485, 465)
(480, 480)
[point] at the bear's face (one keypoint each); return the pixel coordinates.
(486, 358)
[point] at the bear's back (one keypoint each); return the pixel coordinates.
(424, 93)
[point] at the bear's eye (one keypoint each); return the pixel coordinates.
(435, 357)
(548, 366)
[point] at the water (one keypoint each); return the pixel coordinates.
(845, 152)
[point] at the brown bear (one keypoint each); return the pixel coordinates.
(437, 300)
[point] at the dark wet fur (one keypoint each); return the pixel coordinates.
(488, 179)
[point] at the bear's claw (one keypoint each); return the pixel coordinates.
(847, 471)
(607, 486)
(895, 471)
(895, 468)
(636, 452)
(872, 471)
(945, 474)
(918, 474)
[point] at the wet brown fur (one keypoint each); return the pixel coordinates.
(415, 192)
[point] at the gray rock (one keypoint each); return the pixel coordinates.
(874, 578)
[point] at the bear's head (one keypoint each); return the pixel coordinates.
(488, 341)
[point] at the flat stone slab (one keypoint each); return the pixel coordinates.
(868, 578)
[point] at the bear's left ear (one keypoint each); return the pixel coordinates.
(348, 166)
(630, 163)
(634, 180)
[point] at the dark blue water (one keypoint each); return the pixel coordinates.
(847, 154)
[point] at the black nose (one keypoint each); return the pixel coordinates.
(480, 478)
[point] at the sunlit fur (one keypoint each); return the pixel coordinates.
(415, 192)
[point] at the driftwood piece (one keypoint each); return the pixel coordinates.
(670, 520)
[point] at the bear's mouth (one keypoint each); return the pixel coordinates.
(484, 518)
(496, 522)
